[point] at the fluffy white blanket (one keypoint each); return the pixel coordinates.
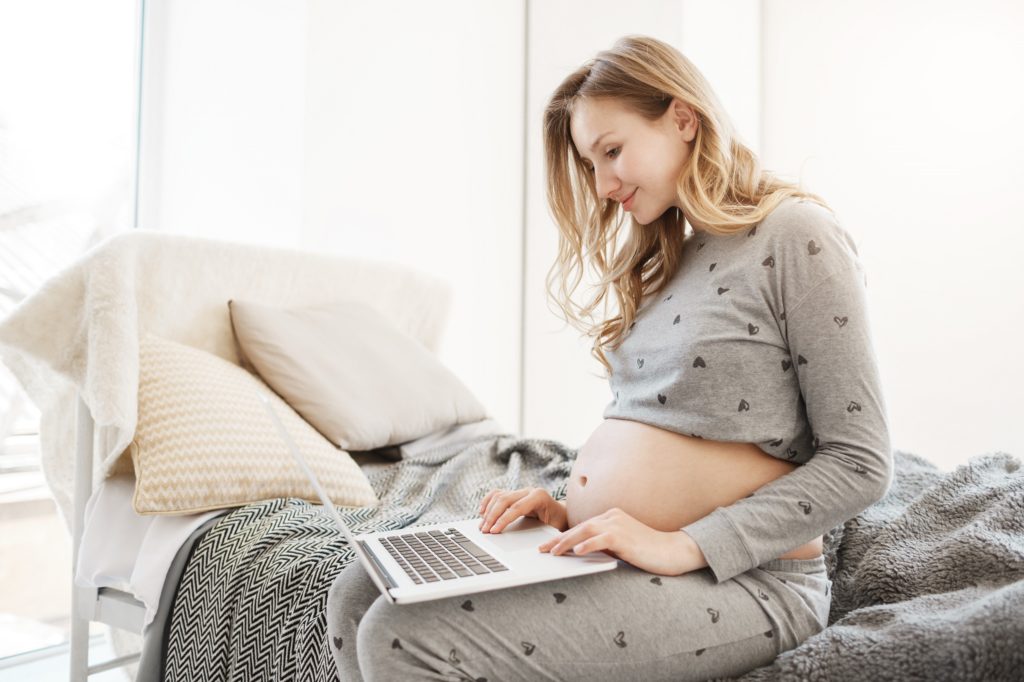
(78, 335)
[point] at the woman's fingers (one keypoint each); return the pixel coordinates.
(498, 517)
(488, 517)
(487, 498)
(502, 510)
(494, 504)
(506, 517)
(572, 538)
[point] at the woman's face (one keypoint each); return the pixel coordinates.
(636, 157)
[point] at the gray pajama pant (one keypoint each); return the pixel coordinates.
(624, 624)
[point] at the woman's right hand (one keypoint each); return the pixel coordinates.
(501, 507)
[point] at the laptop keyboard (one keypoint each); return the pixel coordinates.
(429, 556)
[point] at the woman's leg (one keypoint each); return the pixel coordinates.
(620, 624)
(801, 585)
(351, 594)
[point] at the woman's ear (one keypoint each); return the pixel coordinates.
(686, 119)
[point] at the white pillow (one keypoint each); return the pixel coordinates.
(351, 373)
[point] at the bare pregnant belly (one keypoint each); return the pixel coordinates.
(665, 479)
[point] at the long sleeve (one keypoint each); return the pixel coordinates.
(830, 348)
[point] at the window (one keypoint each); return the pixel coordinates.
(67, 158)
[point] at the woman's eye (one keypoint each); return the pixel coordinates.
(609, 154)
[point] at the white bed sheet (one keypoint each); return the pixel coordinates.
(129, 551)
(132, 552)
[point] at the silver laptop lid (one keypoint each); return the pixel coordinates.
(305, 467)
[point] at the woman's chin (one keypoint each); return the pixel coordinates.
(642, 219)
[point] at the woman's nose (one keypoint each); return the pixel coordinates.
(605, 187)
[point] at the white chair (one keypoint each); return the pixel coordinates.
(107, 605)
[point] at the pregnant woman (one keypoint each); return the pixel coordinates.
(747, 416)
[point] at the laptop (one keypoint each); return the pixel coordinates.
(449, 559)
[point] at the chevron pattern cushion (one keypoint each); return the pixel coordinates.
(204, 441)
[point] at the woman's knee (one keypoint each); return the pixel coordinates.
(352, 585)
(348, 599)
(384, 643)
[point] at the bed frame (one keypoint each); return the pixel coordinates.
(107, 605)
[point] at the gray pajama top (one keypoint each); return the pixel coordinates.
(764, 337)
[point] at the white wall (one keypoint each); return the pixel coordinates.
(907, 118)
(341, 127)
(223, 119)
(414, 138)
(391, 131)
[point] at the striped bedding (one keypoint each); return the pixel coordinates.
(251, 599)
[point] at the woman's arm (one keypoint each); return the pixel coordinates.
(829, 339)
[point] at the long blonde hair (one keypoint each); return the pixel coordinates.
(722, 188)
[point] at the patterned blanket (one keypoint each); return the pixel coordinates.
(928, 582)
(251, 601)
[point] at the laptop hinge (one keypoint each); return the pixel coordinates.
(381, 571)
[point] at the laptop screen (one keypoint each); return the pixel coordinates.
(305, 467)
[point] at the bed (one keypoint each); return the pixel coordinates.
(928, 582)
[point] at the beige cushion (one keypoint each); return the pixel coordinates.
(351, 373)
(205, 441)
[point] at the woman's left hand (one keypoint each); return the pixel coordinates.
(626, 538)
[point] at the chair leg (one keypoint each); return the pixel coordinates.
(79, 645)
(83, 600)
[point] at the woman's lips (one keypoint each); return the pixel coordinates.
(628, 203)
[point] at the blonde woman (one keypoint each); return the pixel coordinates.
(746, 419)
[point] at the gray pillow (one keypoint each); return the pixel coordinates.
(351, 373)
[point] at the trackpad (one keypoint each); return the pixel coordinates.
(521, 535)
